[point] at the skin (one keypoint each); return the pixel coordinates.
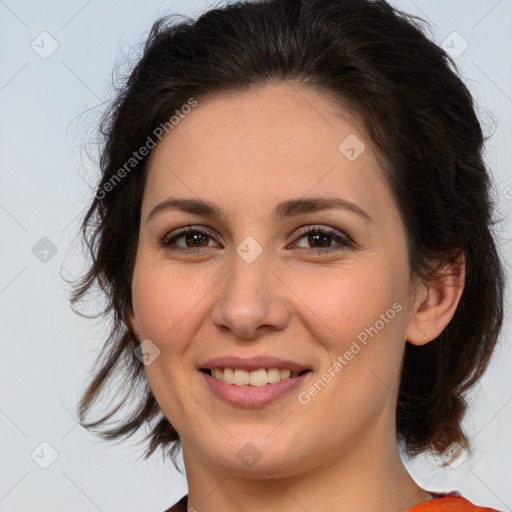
(246, 152)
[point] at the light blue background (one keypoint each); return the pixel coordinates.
(49, 110)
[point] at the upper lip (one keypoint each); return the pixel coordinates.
(252, 363)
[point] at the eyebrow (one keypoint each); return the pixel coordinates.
(288, 208)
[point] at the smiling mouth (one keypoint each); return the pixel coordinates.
(257, 378)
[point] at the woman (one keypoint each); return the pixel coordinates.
(292, 231)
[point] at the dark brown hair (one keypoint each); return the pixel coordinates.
(378, 63)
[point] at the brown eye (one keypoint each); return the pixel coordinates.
(321, 238)
(194, 239)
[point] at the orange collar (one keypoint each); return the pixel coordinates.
(450, 504)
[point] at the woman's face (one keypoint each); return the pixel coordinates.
(273, 282)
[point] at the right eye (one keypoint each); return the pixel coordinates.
(194, 240)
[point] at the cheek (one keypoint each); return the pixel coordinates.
(165, 303)
(358, 316)
(342, 304)
(161, 299)
(361, 330)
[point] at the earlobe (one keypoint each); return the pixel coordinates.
(437, 303)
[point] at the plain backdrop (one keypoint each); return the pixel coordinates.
(56, 72)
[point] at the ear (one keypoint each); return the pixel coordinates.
(436, 302)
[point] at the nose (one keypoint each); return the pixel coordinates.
(252, 300)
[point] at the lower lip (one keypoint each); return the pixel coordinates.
(253, 396)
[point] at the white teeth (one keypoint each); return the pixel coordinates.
(241, 377)
(228, 375)
(273, 375)
(257, 378)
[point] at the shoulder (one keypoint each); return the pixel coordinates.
(180, 506)
(449, 502)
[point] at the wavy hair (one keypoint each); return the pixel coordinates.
(379, 64)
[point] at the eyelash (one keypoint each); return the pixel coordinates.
(344, 241)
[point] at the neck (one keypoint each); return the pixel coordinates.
(377, 481)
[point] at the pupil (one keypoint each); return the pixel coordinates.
(314, 238)
(194, 238)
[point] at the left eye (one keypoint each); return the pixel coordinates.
(196, 239)
(325, 236)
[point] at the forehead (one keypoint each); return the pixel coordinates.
(281, 116)
(266, 143)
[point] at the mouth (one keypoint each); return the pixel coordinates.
(256, 378)
(253, 382)
(253, 389)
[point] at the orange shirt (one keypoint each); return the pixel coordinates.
(442, 502)
(449, 503)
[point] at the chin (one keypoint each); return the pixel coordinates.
(257, 455)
